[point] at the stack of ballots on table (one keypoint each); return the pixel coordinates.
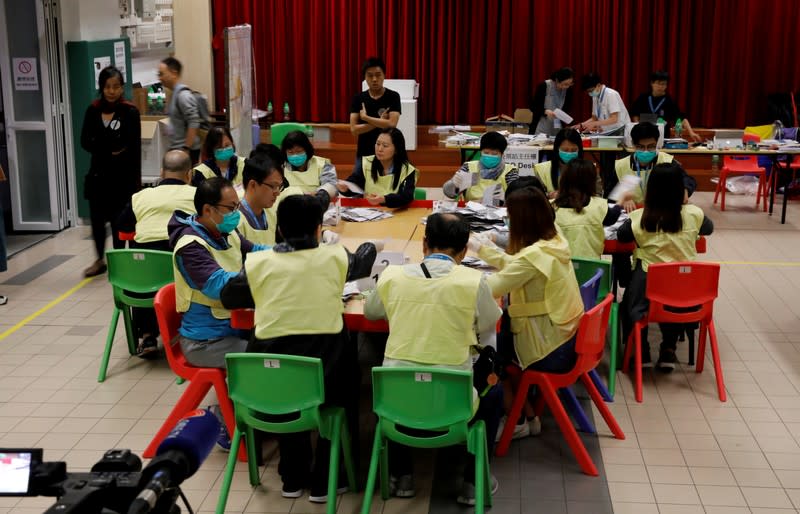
(480, 217)
(357, 214)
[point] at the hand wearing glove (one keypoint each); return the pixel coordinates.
(378, 245)
(462, 180)
(477, 241)
(329, 237)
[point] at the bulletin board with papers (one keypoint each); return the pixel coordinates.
(239, 85)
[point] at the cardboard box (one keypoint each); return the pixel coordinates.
(140, 99)
(505, 122)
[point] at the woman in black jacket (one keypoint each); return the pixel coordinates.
(112, 135)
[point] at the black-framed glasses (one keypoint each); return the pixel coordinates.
(230, 207)
(279, 188)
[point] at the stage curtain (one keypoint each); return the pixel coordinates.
(476, 58)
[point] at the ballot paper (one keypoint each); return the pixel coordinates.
(358, 214)
(611, 230)
(626, 185)
(476, 263)
(561, 115)
(352, 187)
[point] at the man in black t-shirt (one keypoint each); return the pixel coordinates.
(661, 105)
(374, 109)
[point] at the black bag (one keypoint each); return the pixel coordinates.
(488, 370)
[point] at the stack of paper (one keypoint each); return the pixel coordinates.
(358, 214)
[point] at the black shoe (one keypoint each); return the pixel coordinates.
(148, 348)
(667, 360)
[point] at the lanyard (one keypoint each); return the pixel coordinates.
(655, 109)
(261, 222)
(600, 100)
(642, 181)
(439, 256)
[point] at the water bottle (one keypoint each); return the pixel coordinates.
(268, 116)
(287, 113)
(678, 127)
(715, 165)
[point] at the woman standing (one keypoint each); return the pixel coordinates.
(112, 135)
(554, 93)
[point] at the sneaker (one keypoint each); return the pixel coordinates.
(402, 487)
(3, 299)
(292, 494)
(323, 498)
(535, 425)
(98, 268)
(467, 496)
(667, 360)
(223, 439)
(520, 431)
(148, 348)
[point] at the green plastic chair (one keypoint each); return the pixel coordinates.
(278, 131)
(584, 270)
(432, 399)
(133, 271)
(265, 384)
(420, 194)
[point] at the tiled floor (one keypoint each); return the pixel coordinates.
(685, 451)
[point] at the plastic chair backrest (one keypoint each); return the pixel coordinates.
(420, 194)
(423, 398)
(278, 131)
(138, 271)
(740, 161)
(747, 138)
(585, 270)
(589, 290)
(275, 384)
(681, 285)
(591, 339)
(169, 321)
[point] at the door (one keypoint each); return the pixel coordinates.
(34, 112)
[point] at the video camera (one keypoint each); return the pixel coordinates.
(116, 484)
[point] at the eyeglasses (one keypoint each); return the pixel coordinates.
(648, 148)
(230, 208)
(277, 188)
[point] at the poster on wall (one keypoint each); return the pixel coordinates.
(26, 75)
(99, 64)
(119, 58)
(239, 85)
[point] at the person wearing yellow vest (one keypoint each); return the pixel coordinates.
(220, 157)
(580, 215)
(387, 178)
(311, 173)
(435, 310)
(566, 147)
(545, 306)
(148, 215)
(486, 178)
(665, 230)
(296, 289)
(263, 183)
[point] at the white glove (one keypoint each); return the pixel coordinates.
(329, 237)
(476, 242)
(379, 245)
(462, 180)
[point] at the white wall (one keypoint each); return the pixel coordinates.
(89, 20)
(192, 33)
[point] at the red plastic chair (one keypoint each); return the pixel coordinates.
(589, 346)
(743, 165)
(200, 380)
(126, 236)
(680, 285)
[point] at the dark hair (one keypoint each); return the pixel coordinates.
(566, 134)
(107, 73)
(523, 182)
(297, 138)
(577, 185)
(400, 156)
(494, 141)
(258, 168)
(644, 130)
(373, 62)
(663, 199)
(446, 231)
(274, 154)
(562, 74)
(659, 75)
(590, 80)
(173, 64)
(299, 217)
(214, 140)
(209, 192)
(530, 217)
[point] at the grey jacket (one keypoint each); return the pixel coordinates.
(183, 114)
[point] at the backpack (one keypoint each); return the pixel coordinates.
(202, 108)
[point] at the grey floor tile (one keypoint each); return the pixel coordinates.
(37, 270)
(598, 507)
(85, 330)
(544, 507)
(540, 489)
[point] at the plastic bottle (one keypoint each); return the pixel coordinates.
(269, 108)
(287, 113)
(715, 165)
(678, 127)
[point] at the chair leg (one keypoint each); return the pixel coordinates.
(112, 330)
(637, 337)
(347, 453)
(573, 440)
(717, 363)
(598, 382)
(716, 190)
(626, 357)
(252, 458)
(333, 464)
(227, 477)
(374, 460)
(568, 397)
(613, 350)
(701, 348)
(189, 400)
(690, 345)
(384, 469)
(226, 407)
(513, 416)
(611, 421)
(129, 335)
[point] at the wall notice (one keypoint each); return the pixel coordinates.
(523, 157)
(119, 58)
(26, 75)
(99, 64)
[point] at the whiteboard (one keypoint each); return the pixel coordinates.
(239, 85)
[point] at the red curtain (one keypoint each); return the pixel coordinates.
(475, 58)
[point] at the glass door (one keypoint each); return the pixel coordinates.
(35, 146)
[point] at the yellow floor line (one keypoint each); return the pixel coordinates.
(46, 308)
(761, 263)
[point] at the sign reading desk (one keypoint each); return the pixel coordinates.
(26, 76)
(523, 157)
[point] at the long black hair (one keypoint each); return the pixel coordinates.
(105, 74)
(577, 185)
(663, 200)
(399, 160)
